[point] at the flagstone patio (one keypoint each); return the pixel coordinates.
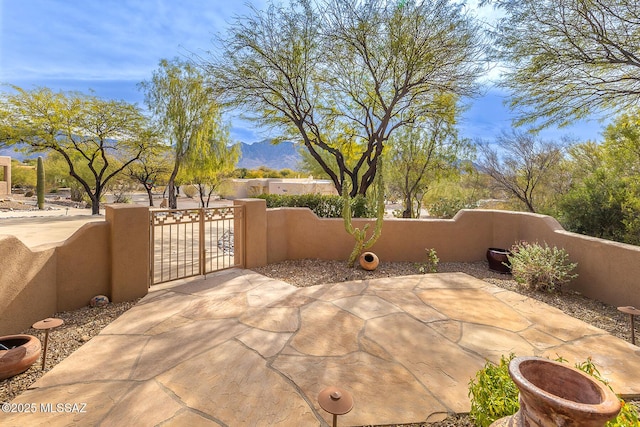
(241, 349)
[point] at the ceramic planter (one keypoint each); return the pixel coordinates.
(23, 351)
(496, 257)
(369, 261)
(554, 394)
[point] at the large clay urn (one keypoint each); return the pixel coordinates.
(498, 260)
(17, 354)
(554, 394)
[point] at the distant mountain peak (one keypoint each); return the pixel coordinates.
(283, 155)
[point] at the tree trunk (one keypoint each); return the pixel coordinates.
(95, 204)
(148, 188)
(173, 202)
(408, 207)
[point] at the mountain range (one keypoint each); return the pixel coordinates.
(283, 155)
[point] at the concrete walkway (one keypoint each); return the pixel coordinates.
(240, 349)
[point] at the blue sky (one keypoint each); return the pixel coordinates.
(109, 46)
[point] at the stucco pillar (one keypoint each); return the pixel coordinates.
(5, 175)
(255, 232)
(129, 235)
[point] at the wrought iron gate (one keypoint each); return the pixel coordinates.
(193, 242)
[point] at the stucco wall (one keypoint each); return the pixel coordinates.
(109, 258)
(112, 257)
(5, 175)
(27, 285)
(84, 266)
(608, 271)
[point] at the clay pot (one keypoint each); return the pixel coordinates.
(496, 257)
(554, 394)
(23, 351)
(369, 261)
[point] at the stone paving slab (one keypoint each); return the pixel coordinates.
(239, 349)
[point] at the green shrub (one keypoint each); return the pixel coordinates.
(493, 393)
(431, 264)
(449, 207)
(540, 268)
(190, 190)
(325, 206)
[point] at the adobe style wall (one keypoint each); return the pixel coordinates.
(5, 175)
(112, 257)
(102, 258)
(607, 271)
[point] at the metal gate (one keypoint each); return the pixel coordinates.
(193, 242)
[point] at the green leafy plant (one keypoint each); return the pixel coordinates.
(431, 264)
(190, 190)
(628, 415)
(323, 205)
(493, 393)
(449, 207)
(540, 267)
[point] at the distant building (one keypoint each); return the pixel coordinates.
(5, 176)
(243, 188)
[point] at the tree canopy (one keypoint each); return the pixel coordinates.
(97, 138)
(341, 76)
(423, 153)
(519, 163)
(566, 59)
(185, 110)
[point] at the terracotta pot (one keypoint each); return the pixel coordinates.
(496, 257)
(554, 394)
(23, 351)
(369, 261)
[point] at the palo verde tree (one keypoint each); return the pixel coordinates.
(185, 111)
(566, 59)
(423, 153)
(518, 164)
(153, 167)
(102, 137)
(341, 75)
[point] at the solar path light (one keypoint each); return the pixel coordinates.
(631, 311)
(335, 401)
(46, 324)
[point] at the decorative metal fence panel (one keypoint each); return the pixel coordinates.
(193, 242)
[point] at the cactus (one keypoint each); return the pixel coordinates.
(361, 235)
(40, 183)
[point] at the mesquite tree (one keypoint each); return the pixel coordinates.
(566, 59)
(342, 76)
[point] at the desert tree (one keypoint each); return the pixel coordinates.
(185, 111)
(341, 76)
(566, 59)
(96, 138)
(152, 168)
(423, 153)
(518, 163)
(209, 166)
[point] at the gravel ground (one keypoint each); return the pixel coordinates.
(81, 325)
